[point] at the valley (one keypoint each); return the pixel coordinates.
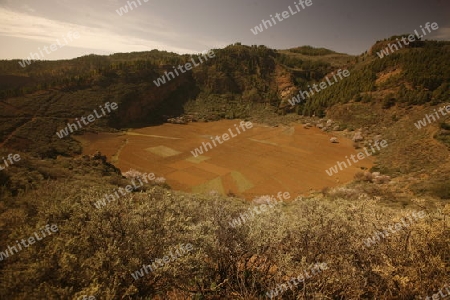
(263, 160)
(349, 161)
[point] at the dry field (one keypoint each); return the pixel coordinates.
(262, 160)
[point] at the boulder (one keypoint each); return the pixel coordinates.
(358, 137)
(334, 140)
(367, 176)
(381, 179)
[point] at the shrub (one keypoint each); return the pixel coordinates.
(389, 101)
(444, 126)
(95, 251)
(441, 189)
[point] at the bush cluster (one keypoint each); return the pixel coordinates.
(95, 251)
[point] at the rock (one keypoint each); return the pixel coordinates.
(307, 125)
(334, 140)
(380, 179)
(358, 137)
(262, 200)
(367, 173)
(329, 122)
(320, 125)
(336, 128)
(178, 120)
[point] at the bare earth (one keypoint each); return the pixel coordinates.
(260, 161)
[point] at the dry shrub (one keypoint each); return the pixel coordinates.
(95, 251)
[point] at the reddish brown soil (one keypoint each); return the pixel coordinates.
(262, 160)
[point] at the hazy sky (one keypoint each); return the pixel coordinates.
(192, 26)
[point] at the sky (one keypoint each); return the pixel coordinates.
(194, 26)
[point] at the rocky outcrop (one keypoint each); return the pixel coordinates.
(285, 84)
(334, 140)
(374, 177)
(358, 136)
(177, 120)
(380, 179)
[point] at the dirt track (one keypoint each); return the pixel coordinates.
(262, 160)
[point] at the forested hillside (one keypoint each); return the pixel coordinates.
(413, 76)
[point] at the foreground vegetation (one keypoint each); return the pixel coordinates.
(96, 250)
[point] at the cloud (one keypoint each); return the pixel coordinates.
(37, 28)
(28, 8)
(443, 33)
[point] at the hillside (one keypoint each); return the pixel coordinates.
(251, 82)
(240, 250)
